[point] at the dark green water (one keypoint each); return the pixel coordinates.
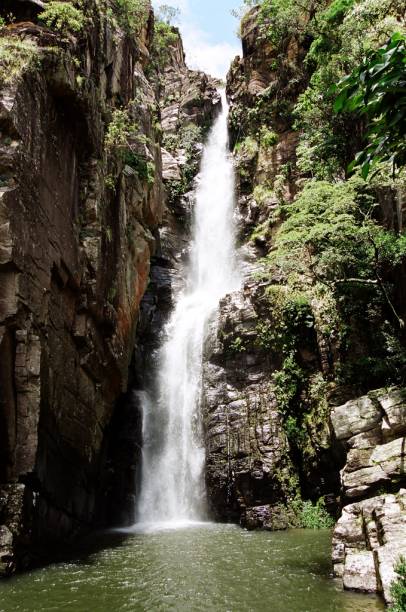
(205, 568)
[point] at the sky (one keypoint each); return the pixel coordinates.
(208, 32)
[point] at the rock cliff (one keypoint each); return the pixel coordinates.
(370, 535)
(290, 358)
(253, 469)
(188, 102)
(81, 200)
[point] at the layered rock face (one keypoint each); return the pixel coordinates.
(248, 464)
(281, 358)
(370, 536)
(78, 227)
(252, 471)
(188, 100)
(76, 241)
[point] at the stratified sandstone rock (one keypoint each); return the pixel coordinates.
(368, 540)
(372, 429)
(359, 572)
(248, 462)
(76, 238)
(371, 534)
(355, 417)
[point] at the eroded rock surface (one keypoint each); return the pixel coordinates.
(76, 240)
(370, 536)
(368, 540)
(188, 100)
(251, 474)
(78, 228)
(372, 429)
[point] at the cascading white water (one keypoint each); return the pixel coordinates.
(172, 483)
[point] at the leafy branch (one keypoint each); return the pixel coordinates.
(377, 90)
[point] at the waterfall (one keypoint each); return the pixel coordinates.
(172, 481)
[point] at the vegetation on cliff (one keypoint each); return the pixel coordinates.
(317, 135)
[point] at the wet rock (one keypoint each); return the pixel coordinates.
(248, 462)
(76, 239)
(271, 518)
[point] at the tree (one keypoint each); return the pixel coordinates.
(377, 90)
(63, 16)
(168, 14)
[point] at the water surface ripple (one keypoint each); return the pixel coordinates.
(216, 568)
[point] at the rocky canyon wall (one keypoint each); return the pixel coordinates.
(81, 201)
(291, 356)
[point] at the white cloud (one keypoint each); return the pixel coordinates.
(213, 58)
(201, 53)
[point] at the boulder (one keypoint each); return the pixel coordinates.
(368, 540)
(359, 572)
(355, 417)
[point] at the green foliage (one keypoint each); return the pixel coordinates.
(187, 140)
(132, 15)
(237, 346)
(174, 191)
(15, 57)
(377, 90)
(2, 22)
(287, 383)
(267, 137)
(315, 516)
(261, 193)
(145, 169)
(120, 130)
(343, 34)
(398, 588)
(284, 19)
(291, 313)
(165, 36)
(122, 137)
(63, 17)
(247, 148)
(264, 335)
(110, 182)
(336, 11)
(329, 235)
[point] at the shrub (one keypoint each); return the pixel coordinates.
(15, 56)
(315, 516)
(287, 383)
(376, 89)
(120, 130)
(145, 169)
(398, 587)
(132, 15)
(122, 137)
(237, 346)
(268, 138)
(247, 148)
(330, 231)
(165, 36)
(63, 17)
